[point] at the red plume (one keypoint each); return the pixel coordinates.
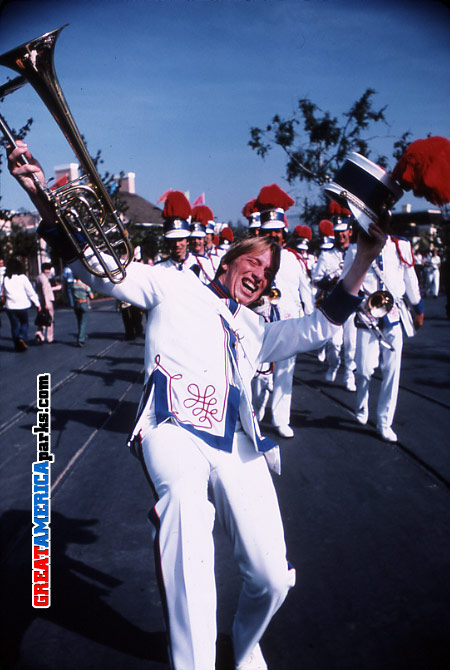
(176, 206)
(303, 231)
(202, 214)
(336, 210)
(227, 234)
(326, 228)
(425, 168)
(273, 197)
(249, 208)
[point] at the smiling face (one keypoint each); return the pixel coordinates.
(276, 234)
(342, 238)
(247, 276)
(198, 245)
(177, 248)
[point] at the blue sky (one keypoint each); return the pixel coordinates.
(170, 89)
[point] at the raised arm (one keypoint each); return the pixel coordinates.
(368, 248)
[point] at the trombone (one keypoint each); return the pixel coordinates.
(83, 207)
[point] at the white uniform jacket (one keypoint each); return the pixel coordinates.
(329, 265)
(396, 265)
(202, 350)
(293, 283)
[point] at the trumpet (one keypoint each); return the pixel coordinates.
(375, 307)
(83, 207)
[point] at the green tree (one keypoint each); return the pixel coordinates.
(316, 143)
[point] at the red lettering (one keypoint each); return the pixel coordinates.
(40, 588)
(41, 564)
(40, 576)
(39, 552)
(41, 600)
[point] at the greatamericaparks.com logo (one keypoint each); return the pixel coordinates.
(41, 494)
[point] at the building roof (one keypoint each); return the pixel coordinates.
(140, 210)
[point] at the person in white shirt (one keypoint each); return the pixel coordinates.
(392, 271)
(325, 275)
(433, 270)
(18, 295)
(292, 286)
(196, 430)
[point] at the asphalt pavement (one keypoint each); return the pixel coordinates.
(367, 522)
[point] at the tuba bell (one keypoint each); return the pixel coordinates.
(375, 307)
(83, 207)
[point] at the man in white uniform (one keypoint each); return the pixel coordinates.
(392, 271)
(196, 429)
(325, 275)
(295, 300)
(177, 231)
(202, 218)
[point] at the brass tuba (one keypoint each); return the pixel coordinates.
(375, 307)
(83, 207)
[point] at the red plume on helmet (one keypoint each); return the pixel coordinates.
(273, 197)
(227, 234)
(303, 231)
(249, 208)
(326, 228)
(202, 214)
(176, 206)
(334, 209)
(424, 168)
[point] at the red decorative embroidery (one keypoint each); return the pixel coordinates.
(203, 404)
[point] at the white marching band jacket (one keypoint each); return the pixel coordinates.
(395, 265)
(202, 350)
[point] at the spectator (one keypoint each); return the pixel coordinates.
(18, 295)
(46, 295)
(81, 296)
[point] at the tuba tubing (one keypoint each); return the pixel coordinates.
(84, 205)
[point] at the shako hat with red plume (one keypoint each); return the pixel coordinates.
(251, 213)
(273, 202)
(302, 237)
(326, 232)
(176, 213)
(226, 238)
(368, 189)
(202, 221)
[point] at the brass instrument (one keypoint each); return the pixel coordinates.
(375, 307)
(83, 207)
(274, 295)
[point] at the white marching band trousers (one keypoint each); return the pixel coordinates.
(369, 353)
(279, 384)
(345, 337)
(186, 475)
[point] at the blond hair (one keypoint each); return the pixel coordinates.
(252, 245)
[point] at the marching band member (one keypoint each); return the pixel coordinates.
(301, 239)
(392, 271)
(295, 299)
(202, 217)
(325, 275)
(196, 429)
(226, 239)
(253, 217)
(177, 230)
(369, 191)
(433, 273)
(210, 247)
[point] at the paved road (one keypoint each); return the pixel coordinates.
(367, 523)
